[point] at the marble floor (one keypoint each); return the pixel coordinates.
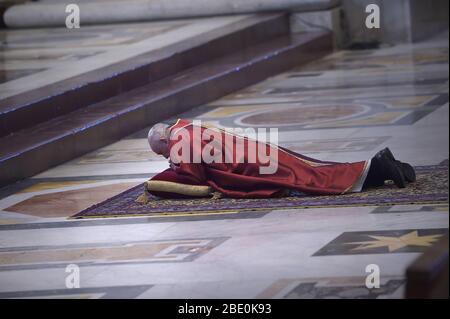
(344, 107)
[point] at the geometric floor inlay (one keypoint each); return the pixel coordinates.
(313, 290)
(139, 252)
(122, 292)
(382, 242)
(332, 288)
(68, 202)
(356, 113)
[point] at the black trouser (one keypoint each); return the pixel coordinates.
(376, 175)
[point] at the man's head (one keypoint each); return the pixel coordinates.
(158, 139)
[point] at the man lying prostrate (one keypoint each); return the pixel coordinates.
(239, 167)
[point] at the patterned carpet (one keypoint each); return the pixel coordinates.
(431, 188)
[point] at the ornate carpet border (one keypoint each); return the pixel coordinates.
(230, 206)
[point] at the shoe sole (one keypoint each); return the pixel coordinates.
(395, 171)
(408, 170)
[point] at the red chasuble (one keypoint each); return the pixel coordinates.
(238, 177)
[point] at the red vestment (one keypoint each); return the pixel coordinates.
(242, 179)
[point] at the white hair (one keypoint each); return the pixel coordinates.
(155, 134)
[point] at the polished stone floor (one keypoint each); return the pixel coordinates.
(344, 107)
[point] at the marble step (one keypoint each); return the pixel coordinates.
(53, 13)
(58, 140)
(40, 105)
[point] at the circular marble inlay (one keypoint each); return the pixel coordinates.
(303, 115)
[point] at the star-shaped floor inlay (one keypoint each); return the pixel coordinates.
(396, 243)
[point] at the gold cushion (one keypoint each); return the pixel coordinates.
(177, 188)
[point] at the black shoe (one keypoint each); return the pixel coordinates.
(408, 170)
(391, 168)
